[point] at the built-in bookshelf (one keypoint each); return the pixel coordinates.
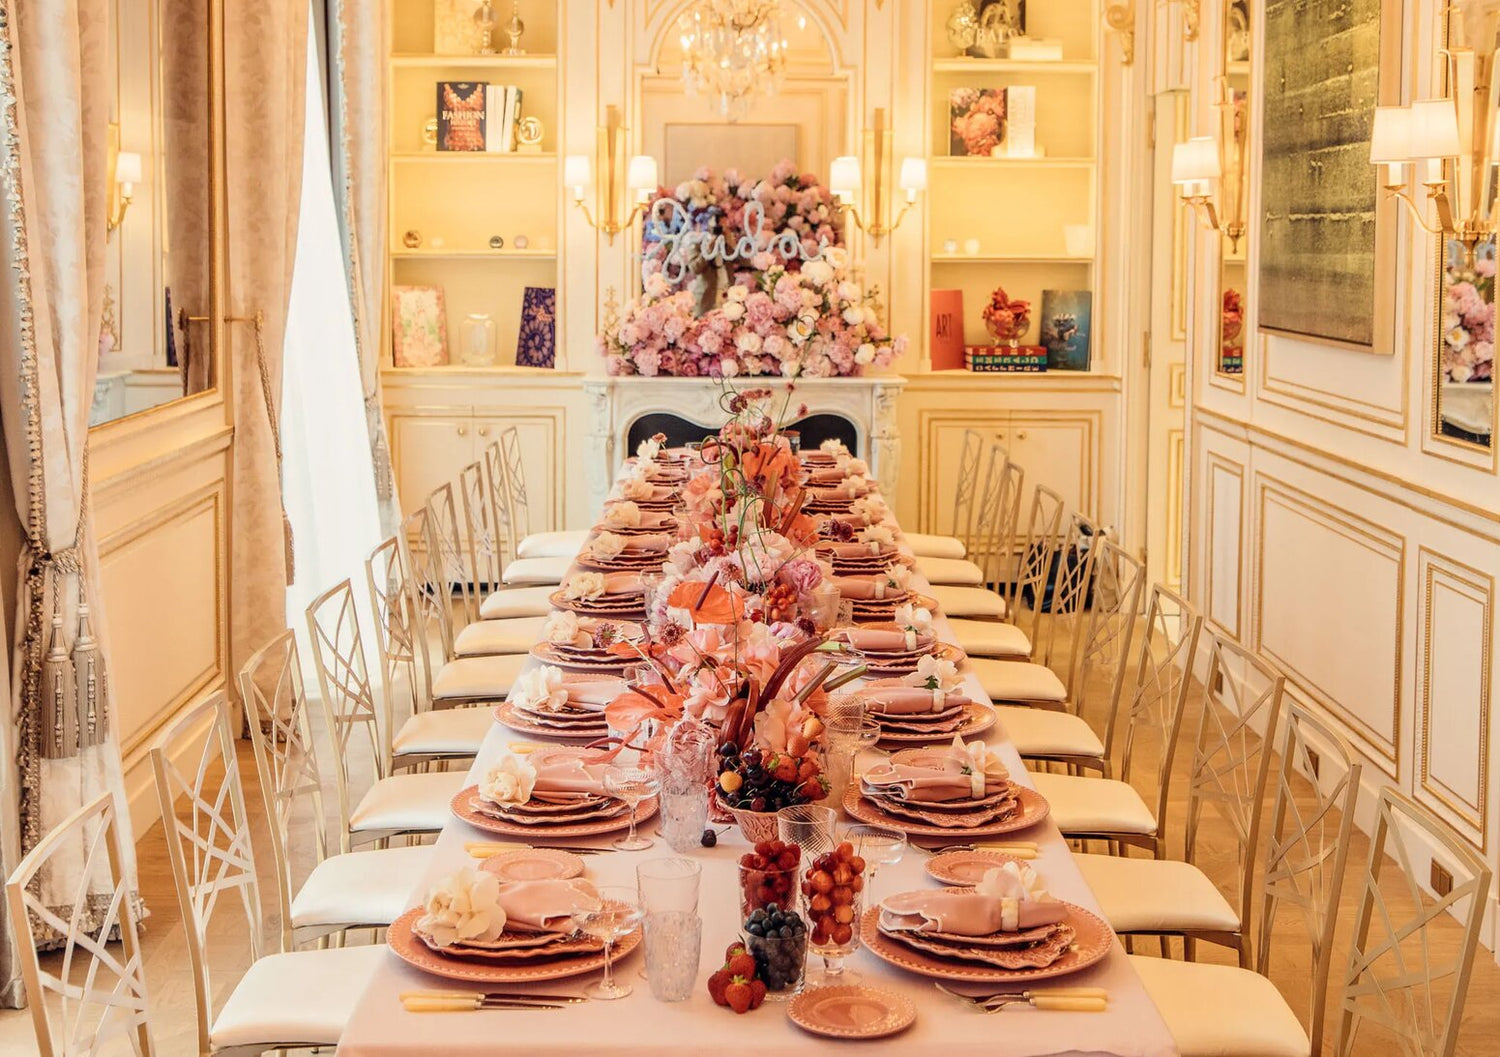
(469, 210)
(1025, 223)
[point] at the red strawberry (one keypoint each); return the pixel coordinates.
(786, 769)
(807, 769)
(717, 984)
(730, 951)
(741, 964)
(738, 995)
(757, 992)
(812, 789)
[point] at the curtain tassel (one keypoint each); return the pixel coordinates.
(59, 694)
(93, 692)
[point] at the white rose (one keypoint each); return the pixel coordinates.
(624, 513)
(729, 367)
(464, 906)
(915, 619)
(849, 290)
(865, 354)
(854, 315)
(734, 311)
(636, 488)
(510, 781)
(648, 449)
(817, 272)
(657, 285)
(607, 545)
(850, 465)
(682, 556)
(748, 342)
(738, 292)
(837, 257)
(583, 585)
(562, 627)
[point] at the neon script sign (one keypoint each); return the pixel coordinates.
(672, 225)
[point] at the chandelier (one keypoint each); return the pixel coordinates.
(732, 51)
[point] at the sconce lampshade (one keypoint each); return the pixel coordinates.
(1434, 129)
(640, 175)
(1390, 137)
(843, 176)
(577, 173)
(914, 174)
(128, 168)
(1195, 160)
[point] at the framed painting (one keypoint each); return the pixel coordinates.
(1326, 260)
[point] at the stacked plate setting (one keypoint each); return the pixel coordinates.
(965, 813)
(955, 712)
(882, 610)
(628, 604)
(902, 661)
(1033, 948)
(591, 657)
(571, 720)
(866, 562)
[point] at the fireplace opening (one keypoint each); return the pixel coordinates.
(815, 429)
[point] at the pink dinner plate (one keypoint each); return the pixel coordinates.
(540, 830)
(852, 1011)
(965, 868)
(1033, 810)
(409, 947)
(507, 713)
(534, 864)
(1092, 940)
(981, 717)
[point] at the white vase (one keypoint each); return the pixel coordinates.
(477, 344)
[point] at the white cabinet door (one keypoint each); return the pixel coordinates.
(429, 450)
(541, 459)
(1058, 452)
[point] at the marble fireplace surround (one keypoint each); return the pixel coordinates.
(617, 402)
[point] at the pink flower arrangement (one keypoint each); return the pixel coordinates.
(977, 121)
(1232, 321)
(1469, 322)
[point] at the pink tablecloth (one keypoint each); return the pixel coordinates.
(639, 1026)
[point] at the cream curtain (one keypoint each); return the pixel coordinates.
(265, 50)
(359, 46)
(54, 112)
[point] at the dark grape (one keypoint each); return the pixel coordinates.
(709, 838)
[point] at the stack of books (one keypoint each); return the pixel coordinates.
(476, 116)
(994, 359)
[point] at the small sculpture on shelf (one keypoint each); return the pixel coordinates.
(1007, 320)
(412, 239)
(962, 26)
(514, 30)
(486, 20)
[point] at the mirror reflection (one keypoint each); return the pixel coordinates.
(1466, 344)
(153, 345)
(1234, 135)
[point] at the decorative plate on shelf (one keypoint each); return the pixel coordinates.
(852, 1011)
(408, 946)
(1092, 941)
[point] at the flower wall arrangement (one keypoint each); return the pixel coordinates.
(1469, 317)
(766, 312)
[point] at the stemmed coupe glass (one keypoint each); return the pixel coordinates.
(618, 914)
(632, 783)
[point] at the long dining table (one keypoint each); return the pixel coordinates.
(641, 1026)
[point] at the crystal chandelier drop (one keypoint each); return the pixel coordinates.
(732, 51)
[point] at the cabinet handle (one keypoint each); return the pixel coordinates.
(484, 431)
(463, 431)
(1021, 435)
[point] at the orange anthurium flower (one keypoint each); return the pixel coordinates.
(718, 606)
(630, 711)
(803, 530)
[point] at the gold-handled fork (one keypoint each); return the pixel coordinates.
(1019, 849)
(1056, 999)
(468, 1001)
(483, 849)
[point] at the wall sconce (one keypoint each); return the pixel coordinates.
(1195, 167)
(638, 177)
(123, 172)
(1429, 131)
(845, 180)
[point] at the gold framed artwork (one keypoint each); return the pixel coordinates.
(1327, 264)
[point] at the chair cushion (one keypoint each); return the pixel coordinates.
(990, 638)
(537, 570)
(443, 732)
(517, 602)
(478, 678)
(926, 545)
(950, 571)
(301, 997)
(1018, 680)
(552, 544)
(407, 803)
(361, 887)
(1156, 895)
(486, 637)
(1043, 732)
(1221, 1010)
(968, 601)
(1079, 804)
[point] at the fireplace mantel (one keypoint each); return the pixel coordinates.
(616, 402)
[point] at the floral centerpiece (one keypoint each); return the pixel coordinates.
(1007, 320)
(1469, 320)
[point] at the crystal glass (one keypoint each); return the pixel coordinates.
(808, 826)
(632, 784)
(878, 847)
(846, 740)
(617, 916)
(478, 342)
(668, 885)
(684, 817)
(834, 886)
(674, 947)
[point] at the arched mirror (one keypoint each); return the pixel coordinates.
(154, 344)
(1234, 137)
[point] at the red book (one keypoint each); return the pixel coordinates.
(947, 339)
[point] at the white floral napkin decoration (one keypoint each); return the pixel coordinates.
(624, 514)
(583, 585)
(607, 545)
(463, 907)
(915, 620)
(510, 781)
(541, 689)
(979, 763)
(1013, 884)
(833, 446)
(879, 537)
(934, 673)
(562, 628)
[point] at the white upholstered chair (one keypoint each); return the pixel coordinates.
(448, 680)
(966, 571)
(1106, 808)
(289, 1000)
(393, 804)
(360, 889)
(927, 545)
(535, 558)
(485, 520)
(98, 1005)
(994, 548)
(421, 733)
(1230, 767)
(1227, 1011)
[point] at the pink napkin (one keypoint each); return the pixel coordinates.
(886, 641)
(909, 700)
(622, 583)
(545, 905)
(830, 476)
(593, 695)
(845, 491)
(927, 784)
(853, 550)
(571, 777)
(867, 588)
(966, 913)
